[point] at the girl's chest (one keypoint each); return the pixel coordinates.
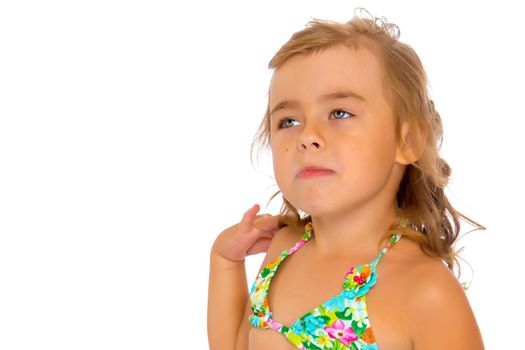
(298, 288)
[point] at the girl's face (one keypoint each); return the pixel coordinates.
(350, 131)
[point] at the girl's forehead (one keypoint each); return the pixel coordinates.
(330, 70)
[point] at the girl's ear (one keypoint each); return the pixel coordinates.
(412, 143)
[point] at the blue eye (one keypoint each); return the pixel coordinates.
(284, 120)
(340, 110)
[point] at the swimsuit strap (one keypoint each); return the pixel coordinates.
(393, 240)
(305, 238)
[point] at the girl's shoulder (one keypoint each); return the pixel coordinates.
(428, 287)
(421, 269)
(420, 273)
(285, 238)
(430, 280)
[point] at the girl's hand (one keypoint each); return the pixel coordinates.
(250, 236)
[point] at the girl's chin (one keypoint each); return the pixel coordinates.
(313, 211)
(314, 205)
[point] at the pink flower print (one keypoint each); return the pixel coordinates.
(350, 272)
(297, 246)
(339, 332)
(300, 243)
(274, 324)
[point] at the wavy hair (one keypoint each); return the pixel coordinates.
(428, 217)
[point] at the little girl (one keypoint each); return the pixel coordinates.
(361, 255)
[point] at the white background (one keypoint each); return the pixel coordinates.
(125, 133)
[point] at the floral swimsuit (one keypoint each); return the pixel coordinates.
(339, 323)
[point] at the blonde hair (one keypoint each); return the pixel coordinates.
(429, 218)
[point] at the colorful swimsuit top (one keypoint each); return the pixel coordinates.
(339, 323)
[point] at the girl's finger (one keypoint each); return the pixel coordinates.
(246, 222)
(267, 223)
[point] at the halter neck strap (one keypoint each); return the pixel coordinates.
(393, 240)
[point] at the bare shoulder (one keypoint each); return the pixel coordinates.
(438, 311)
(285, 238)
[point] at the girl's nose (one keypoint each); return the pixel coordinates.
(310, 138)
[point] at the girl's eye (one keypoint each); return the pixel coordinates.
(282, 124)
(340, 110)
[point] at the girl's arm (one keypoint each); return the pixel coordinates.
(227, 289)
(227, 297)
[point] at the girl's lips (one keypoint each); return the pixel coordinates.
(312, 172)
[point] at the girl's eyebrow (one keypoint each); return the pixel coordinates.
(331, 96)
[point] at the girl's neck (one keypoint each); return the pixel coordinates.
(358, 232)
